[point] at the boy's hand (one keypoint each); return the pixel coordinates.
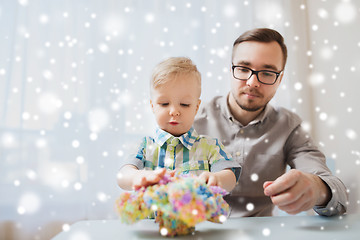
(148, 178)
(210, 178)
(225, 179)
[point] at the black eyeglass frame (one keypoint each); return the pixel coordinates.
(256, 73)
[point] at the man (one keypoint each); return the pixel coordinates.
(264, 139)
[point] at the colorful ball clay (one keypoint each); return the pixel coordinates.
(179, 203)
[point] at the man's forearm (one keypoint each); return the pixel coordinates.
(325, 192)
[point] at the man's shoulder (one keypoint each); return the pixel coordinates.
(211, 106)
(285, 115)
(211, 117)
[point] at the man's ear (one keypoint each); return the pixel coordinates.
(280, 77)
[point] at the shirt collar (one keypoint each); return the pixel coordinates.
(187, 139)
(225, 109)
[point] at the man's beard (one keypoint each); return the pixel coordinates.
(249, 109)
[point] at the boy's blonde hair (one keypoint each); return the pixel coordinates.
(169, 69)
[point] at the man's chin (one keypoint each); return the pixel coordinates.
(250, 108)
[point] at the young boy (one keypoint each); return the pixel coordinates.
(175, 90)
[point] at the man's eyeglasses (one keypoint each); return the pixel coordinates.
(264, 76)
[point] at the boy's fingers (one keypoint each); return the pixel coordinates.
(141, 183)
(160, 172)
(212, 181)
(204, 176)
(172, 172)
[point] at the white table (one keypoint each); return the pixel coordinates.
(287, 227)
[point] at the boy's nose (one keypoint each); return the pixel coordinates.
(174, 111)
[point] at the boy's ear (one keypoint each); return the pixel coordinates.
(198, 105)
(152, 106)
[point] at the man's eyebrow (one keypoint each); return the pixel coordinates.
(272, 67)
(246, 63)
(265, 66)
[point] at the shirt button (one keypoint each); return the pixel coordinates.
(241, 131)
(237, 153)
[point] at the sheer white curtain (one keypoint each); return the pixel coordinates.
(74, 90)
(74, 94)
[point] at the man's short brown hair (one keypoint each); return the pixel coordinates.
(265, 35)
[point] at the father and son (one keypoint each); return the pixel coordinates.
(239, 141)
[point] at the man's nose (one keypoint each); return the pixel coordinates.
(253, 81)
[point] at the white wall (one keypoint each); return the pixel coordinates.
(67, 65)
(334, 42)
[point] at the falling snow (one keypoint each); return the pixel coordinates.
(266, 232)
(74, 91)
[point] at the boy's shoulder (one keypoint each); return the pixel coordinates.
(145, 140)
(208, 140)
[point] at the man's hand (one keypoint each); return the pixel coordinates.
(296, 191)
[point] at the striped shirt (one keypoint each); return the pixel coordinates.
(188, 153)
